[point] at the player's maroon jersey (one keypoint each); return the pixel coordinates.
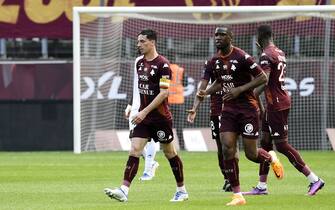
(152, 76)
(216, 98)
(233, 70)
(273, 61)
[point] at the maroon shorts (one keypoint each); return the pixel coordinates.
(276, 124)
(245, 122)
(215, 127)
(159, 132)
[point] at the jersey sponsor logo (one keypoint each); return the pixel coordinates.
(227, 77)
(146, 92)
(144, 89)
(226, 86)
(144, 86)
(143, 77)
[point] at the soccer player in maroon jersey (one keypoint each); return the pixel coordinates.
(215, 112)
(237, 75)
(154, 120)
(275, 120)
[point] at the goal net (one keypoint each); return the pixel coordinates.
(105, 51)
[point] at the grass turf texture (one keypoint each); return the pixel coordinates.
(62, 180)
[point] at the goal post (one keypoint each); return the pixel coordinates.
(104, 40)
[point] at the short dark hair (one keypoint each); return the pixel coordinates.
(151, 34)
(224, 30)
(264, 31)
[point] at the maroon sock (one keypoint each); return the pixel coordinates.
(220, 157)
(263, 156)
(130, 170)
(293, 156)
(264, 167)
(221, 165)
(232, 172)
(177, 169)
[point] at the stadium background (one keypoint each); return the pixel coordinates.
(36, 70)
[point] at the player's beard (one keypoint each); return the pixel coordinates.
(223, 47)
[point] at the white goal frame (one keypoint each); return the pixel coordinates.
(175, 10)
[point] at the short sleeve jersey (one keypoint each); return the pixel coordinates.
(152, 76)
(273, 61)
(233, 70)
(216, 98)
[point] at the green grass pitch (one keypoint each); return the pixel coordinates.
(62, 180)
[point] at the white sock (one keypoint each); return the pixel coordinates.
(125, 189)
(262, 185)
(273, 156)
(182, 188)
(312, 177)
(149, 156)
(239, 193)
